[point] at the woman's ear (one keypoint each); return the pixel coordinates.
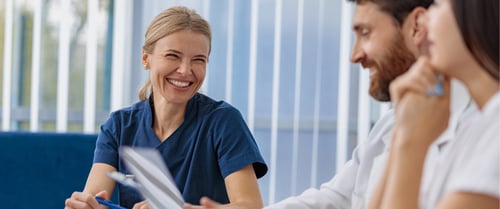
(145, 60)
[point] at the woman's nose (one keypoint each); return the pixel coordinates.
(185, 68)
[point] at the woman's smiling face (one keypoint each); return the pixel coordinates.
(447, 49)
(178, 65)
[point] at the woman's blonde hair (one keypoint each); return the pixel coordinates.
(167, 22)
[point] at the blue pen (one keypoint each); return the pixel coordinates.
(108, 203)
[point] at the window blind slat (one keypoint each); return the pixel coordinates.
(344, 82)
(317, 95)
(7, 64)
(91, 67)
(63, 67)
(275, 99)
(252, 71)
(297, 95)
(122, 54)
(36, 66)
(230, 51)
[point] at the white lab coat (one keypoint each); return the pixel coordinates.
(471, 162)
(353, 185)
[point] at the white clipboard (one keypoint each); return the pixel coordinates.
(151, 177)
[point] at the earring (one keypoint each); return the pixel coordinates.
(145, 65)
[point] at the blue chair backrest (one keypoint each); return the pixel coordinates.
(41, 170)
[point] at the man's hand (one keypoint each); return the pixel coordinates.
(141, 205)
(207, 203)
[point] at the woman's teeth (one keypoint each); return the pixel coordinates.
(179, 83)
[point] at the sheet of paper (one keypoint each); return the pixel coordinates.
(155, 181)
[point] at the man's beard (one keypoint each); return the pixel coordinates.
(397, 59)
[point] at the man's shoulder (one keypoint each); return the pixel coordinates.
(383, 126)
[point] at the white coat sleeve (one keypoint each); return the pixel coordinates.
(351, 181)
(334, 194)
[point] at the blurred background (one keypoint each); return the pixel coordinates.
(66, 64)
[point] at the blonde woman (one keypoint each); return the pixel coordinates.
(205, 143)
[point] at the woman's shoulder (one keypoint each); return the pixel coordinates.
(478, 155)
(492, 107)
(486, 125)
(133, 110)
(208, 105)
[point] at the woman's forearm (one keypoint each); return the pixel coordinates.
(405, 174)
(378, 194)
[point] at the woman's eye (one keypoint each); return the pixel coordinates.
(200, 60)
(172, 56)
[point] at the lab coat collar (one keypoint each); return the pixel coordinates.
(460, 102)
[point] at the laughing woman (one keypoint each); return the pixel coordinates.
(206, 144)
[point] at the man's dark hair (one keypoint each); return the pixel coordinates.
(398, 9)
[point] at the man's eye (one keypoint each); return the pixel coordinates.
(364, 32)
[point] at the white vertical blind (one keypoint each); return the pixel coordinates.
(317, 95)
(63, 66)
(296, 99)
(275, 100)
(122, 48)
(344, 78)
(36, 65)
(91, 67)
(230, 51)
(252, 71)
(7, 64)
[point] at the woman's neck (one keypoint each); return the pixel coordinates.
(167, 117)
(481, 86)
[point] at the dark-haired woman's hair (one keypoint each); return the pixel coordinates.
(478, 23)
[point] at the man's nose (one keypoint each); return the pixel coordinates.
(357, 54)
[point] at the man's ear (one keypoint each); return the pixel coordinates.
(414, 31)
(419, 29)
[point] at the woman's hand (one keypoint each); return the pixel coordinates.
(81, 200)
(420, 112)
(420, 78)
(97, 183)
